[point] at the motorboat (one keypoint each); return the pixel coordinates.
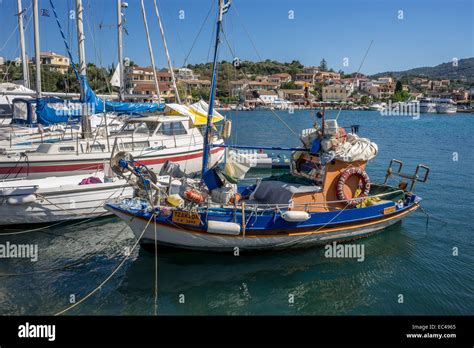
(427, 105)
(445, 106)
(378, 106)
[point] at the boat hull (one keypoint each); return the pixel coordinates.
(61, 203)
(179, 237)
(20, 167)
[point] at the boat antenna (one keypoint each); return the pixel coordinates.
(357, 74)
(223, 8)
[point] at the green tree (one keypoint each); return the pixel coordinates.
(398, 86)
(365, 99)
(289, 85)
(323, 65)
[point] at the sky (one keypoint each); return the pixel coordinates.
(405, 33)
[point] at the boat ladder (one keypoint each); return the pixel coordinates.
(413, 178)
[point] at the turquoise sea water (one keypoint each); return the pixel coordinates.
(408, 259)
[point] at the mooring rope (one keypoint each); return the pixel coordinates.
(111, 274)
(428, 216)
(156, 271)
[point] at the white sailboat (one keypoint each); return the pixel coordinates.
(175, 136)
(56, 199)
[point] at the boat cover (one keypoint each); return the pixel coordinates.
(197, 112)
(278, 192)
(356, 149)
(51, 112)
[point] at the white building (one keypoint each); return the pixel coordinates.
(268, 97)
(185, 74)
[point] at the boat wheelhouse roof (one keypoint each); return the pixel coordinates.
(157, 118)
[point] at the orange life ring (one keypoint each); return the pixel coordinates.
(194, 196)
(364, 185)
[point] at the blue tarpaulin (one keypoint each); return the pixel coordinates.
(65, 111)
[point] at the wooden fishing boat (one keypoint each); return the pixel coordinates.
(275, 213)
(327, 196)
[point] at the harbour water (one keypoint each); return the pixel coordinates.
(431, 266)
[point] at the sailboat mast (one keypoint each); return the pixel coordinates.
(120, 50)
(37, 49)
(85, 121)
(150, 51)
(24, 59)
(81, 39)
(208, 135)
(170, 65)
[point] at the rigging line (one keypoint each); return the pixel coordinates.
(213, 33)
(357, 74)
(16, 50)
(9, 37)
(97, 54)
(275, 113)
(198, 33)
(99, 287)
(246, 31)
(156, 270)
(246, 79)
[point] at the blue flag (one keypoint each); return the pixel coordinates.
(226, 6)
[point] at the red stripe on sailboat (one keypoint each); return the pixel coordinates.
(23, 167)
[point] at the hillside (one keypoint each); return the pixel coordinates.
(464, 71)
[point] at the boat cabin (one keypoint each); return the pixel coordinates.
(138, 133)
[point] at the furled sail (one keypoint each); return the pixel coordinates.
(98, 105)
(52, 111)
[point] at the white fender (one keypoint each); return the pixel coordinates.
(18, 200)
(295, 216)
(221, 227)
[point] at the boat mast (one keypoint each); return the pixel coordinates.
(120, 50)
(37, 48)
(85, 121)
(150, 51)
(170, 66)
(208, 135)
(24, 59)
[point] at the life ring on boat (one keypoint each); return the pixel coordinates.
(364, 185)
(194, 196)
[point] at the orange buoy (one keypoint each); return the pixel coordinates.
(235, 198)
(194, 195)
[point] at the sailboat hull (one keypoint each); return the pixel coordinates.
(19, 167)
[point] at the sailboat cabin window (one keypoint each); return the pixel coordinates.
(67, 149)
(172, 128)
